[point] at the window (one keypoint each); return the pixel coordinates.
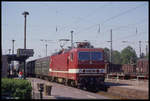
(96, 56)
(84, 56)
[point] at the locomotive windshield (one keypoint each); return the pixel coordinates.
(96, 56)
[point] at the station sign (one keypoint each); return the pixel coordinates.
(25, 52)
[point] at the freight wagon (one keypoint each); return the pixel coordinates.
(142, 66)
(129, 69)
(114, 68)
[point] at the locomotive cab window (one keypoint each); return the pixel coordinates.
(95, 56)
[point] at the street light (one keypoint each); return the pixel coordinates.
(25, 13)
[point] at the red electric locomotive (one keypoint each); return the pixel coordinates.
(83, 66)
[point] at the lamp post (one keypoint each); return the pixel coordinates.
(25, 13)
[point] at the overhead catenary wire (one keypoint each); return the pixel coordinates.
(113, 17)
(84, 18)
(130, 36)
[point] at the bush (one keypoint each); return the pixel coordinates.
(16, 88)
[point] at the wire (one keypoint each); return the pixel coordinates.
(129, 36)
(122, 13)
(83, 18)
(113, 17)
(129, 25)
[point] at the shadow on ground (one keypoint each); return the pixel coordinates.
(107, 85)
(62, 97)
(115, 84)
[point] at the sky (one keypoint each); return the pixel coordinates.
(90, 21)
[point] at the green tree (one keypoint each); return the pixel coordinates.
(116, 57)
(128, 55)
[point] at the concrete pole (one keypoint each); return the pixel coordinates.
(146, 50)
(12, 53)
(9, 50)
(72, 39)
(46, 49)
(140, 48)
(111, 45)
(25, 14)
(13, 46)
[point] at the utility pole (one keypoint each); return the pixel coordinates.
(140, 48)
(9, 50)
(45, 44)
(12, 54)
(71, 39)
(46, 49)
(111, 45)
(13, 46)
(110, 59)
(146, 48)
(25, 15)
